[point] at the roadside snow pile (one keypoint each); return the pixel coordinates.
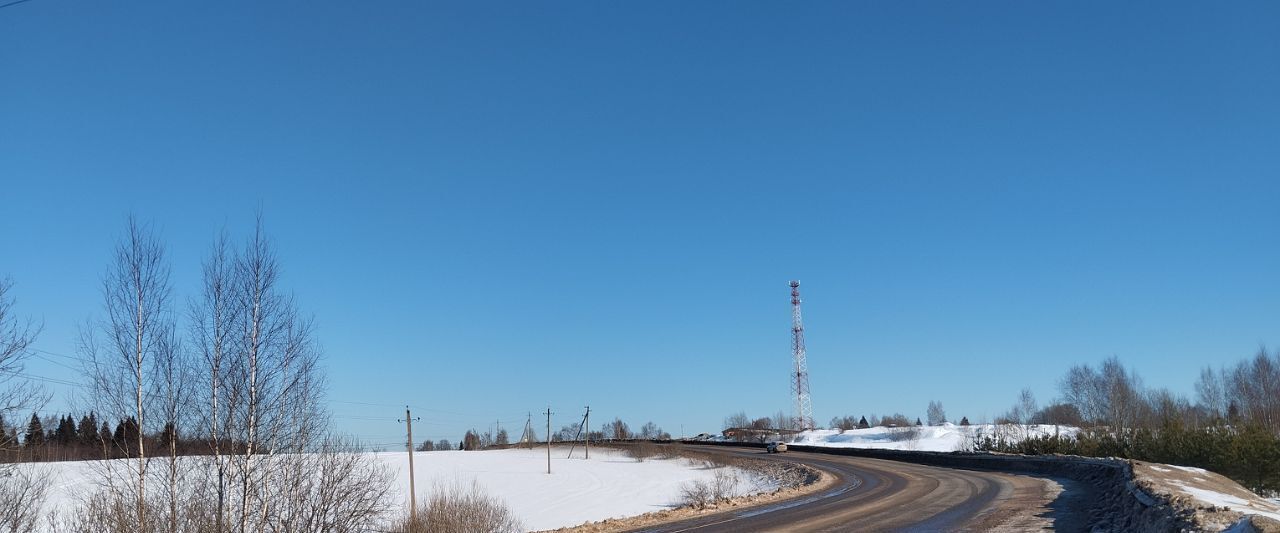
(1219, 502)
(945, 438)
(609, 485)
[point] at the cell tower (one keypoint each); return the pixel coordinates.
(800, 377)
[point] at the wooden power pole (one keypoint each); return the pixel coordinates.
(586, 440)
(413, 497)
(548, 439)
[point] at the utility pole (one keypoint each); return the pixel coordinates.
(586, 421)
(413, 497)
(548, 439)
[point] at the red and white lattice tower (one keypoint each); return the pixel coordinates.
(800, 376)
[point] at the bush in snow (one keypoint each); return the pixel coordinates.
(459, 508)
(642, 450)
(22, 494)
(703, 493)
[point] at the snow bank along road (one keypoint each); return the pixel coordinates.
(877, 495)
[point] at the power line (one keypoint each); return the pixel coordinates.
(14, 3)
(65, 356)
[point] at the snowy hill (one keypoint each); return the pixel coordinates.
(945, 438)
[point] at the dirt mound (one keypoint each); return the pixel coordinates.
(1210, 501)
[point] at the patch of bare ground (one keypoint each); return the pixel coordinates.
(1210, 501)
(798, 480)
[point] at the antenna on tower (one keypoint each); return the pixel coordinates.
(800, 376)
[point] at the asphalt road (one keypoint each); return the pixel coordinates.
(880, 495)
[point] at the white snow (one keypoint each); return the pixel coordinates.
(609, 485)
(1234, 503)
(945, 438)
(578, 490)
(1191, 469)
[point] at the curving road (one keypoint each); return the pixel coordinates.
(880, 495)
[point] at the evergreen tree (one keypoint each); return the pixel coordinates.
(126, 435)
(964, 420)
(35, 432)
(104, 439)
(168, 436)
(862, 423)
(918, 422)
(88, 429)
(104, 434)
(66, 432)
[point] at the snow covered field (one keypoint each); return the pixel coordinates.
(609, 485)
(945, 438)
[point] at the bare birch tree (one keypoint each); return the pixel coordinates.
(22, 491)
(17, 394)
(1211, 393)
(137, 327)
(274, 380)
(212, 318)
(172, 373)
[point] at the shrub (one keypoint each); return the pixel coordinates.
(459, 508)
(22, 494)
(642, 450)
(702, 493)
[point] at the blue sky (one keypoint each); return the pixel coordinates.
(493, 207)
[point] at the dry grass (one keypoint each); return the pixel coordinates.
(460, 508)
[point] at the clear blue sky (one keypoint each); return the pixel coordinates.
(493, 207)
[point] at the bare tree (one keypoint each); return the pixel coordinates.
(1026, 407)
(782, 421)
(274, 385)
(649, 431)
(212, 317)
(737, 420)
(1082, 387)
(618, 429)
(936, 415)
(17, 394)
(1123, 395)
(22, 495)
(1255, 389)
(1211, 392)
(22, 490)
(136, 328)
(1110, 396)
(172, 373)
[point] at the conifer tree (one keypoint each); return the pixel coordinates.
(964, 420)
(862, 423)
(35, 432)
(104, 439)
(88, 429)
(65, 435)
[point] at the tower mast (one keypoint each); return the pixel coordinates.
(800, 375)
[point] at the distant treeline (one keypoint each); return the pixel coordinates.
(65, 439)
(1232, 428)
